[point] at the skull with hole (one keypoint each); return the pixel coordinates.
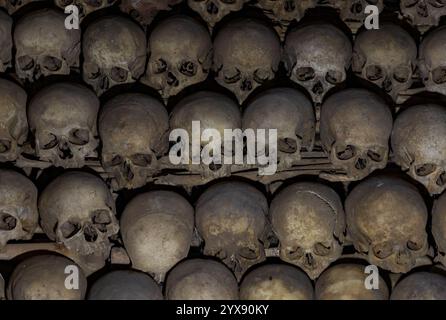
(214, 111)
(157, 229)
(77, 210)
(276, 282)
(144, 11)
(133, 130)
(180, 55)
(419, 146)
(246, 55)
(85, 7)
(63, 118)
(13, 122)
(309, 221)
(439, 228)
(291, 113)
(317, 57)
(115, 53)
(18, 207)
(5, 41)
(355, 128)
(231, 218)
(386, 221)
(386, 57)
(44, 46)
(15, 5)
(200, 279)
(423, 13)
(44, 277)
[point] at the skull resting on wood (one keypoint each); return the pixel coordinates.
(212, 11)
(439, 227)
(423, 13)
(420, 286)
(85, 7)
(144, 11)
(5, 41)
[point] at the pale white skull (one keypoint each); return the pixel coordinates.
(62, 118)
(309, 222)
(77, 210)
(291, 114)
(133, 130)
(420, 286)
(144, 11)
(246, 55)
(386, 57)
(439, 227)
(44, 46)
(386, 221)
(5, 41)
(85, 7)
(200, 279)
(115, 52)
(317, 57)
(212, 11)
(13, 122)
(355, 128)
(423, 13)
(157, 229)
(180, 55)
(419, 146)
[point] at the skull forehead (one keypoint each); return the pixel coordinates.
(12, 102)
(433, 46)
(16, 189)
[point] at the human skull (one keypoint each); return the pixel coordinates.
(43, 277)
(420, 286)
(200, 279)
(144, 11)
(246, 54)
(386, 221)
(355, 128)
(317, 57)
(157, 229)
(180, 55)
(276, 282)
(62, 118)
(212, 11)
(439, 227)
(346, 282)
(5, 41)
(125, 285)
(213, 111)
(44, 46)
(14, 5)
(133, 130)
(114, 51)
(386, 57)
(231, 218)
(423, 13)
(419, 146)
(13, 122)
(85, 7)
(18, 207)
(309, 222)
(291, 113)
(77, 209)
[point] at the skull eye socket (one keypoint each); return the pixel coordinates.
(294, 253)
(345, 153)
(260, 76)
(116, 160)
(305, 73)
(322, 249)
(437, 3)
(5, 145)
(409, 3)
(425, 169)
(51, 142)
(188, 68)
(51, 63)
(160, 66)
(374, 72)
(119, 74)
(439, 75)
(232, 76)
(101, 218)
(414, 245)
(7, 222)
(142, 160)
(287, 145)
(94, 72)
(441, 181)
(25, 63)
(79, 137)
(69, 229)
(375, 155)
(402, 74)
(382, 250)
(334, 77)
(248, 253)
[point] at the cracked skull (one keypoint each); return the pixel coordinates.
(419, 146)
(77, 209)
(246, 55)
(62, 118)
(212, 11)
(144, 11)
(423, 13)
(317, 57)
(309, 221)
(439, 228)
(231, 218)
(355, 129)
(85, 7)
(5, 41)
(386, 221)
(133, 130)
(386, 57)
(180, 55)
(44, 46)
(115, 52)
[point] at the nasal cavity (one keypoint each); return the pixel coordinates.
(90, 233)
(172, 80)
(65, 151)
(318, 88)
(7, 222)
(246, 85)
(290, 5)
(387, 85)
(212, 8)
(361, 164)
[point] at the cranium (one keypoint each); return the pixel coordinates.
(5, 41)
(14, 5)
(43, 277)
(77, 209)
(85, 7)
(386, 57)
(346, 282)
(386, 221)
(231, 218)
(13, 122)
(18, 207)
(157, 229)
(439, 227)
(125, 285)
(132, 129)
(44, 46)
(309, 221)
(316, 57)
(420, 286)
(423, 13)
(212, 11)
(419, 147)
(355, 129)
(180, 55)
(63, 118)
(200, 279)
(114, 51)
(276, 282)
(246, 54)
(291, 113)
(144, 11)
